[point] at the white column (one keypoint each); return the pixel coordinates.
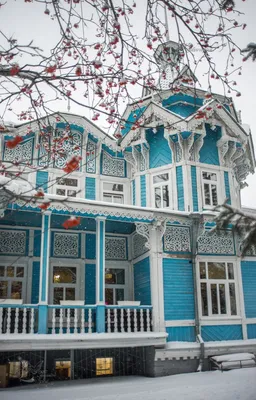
(100, 273)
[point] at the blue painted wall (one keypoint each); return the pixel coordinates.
(90, 188)
(181, 334)
(209, 151)
(251, 331)
(248, 269)
(221, 332)
(180, 188)
(159, 152)
(133, 192)
(35, 282)
(90, 284)
(194, 188)
(181, 97)
(178, 289)
(37, 243)
(134, 116)
(142, 290)
(42, 179)
(90, 246)
(184, 110)
(227, 187)
(143, 191)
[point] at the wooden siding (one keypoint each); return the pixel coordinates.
(221, 332)
(180, 188)
(143, 191)
(194, 188)
(142, 291)
(181, 334)
(90, 188)
(248, 269)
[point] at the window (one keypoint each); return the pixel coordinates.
(114, 285)
(11, 282)
(64, 284)
(209, 183)
(217, 286)
(66, 187)
(161, 190)
(113, 192)
(104, 366)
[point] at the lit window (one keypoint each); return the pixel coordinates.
(64, 284)
(161, 190)
(66, 187)
(217, 285)
(209, 182)
(11, 282)
(104, 366)
(115, 285)
(113, 192)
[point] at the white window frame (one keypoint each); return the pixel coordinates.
(79, 270)
(165, 183)
(210, 183)
(113, 286)
(112, 192)
(55, 186)
(226, 282)
(14, 279)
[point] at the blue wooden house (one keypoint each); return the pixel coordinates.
(142, 285)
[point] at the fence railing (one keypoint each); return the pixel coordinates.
(72, 319)
(18, 319)
(121, 319)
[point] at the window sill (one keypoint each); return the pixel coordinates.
(225, 320)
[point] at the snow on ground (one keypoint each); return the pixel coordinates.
(232, 385)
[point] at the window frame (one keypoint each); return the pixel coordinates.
(114, 286)
(112, 192)
(161, 184)
(66, 264)
(210, 183)
(55, 186)
(10, 279)
(226, 283)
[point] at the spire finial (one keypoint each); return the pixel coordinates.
(166, 24)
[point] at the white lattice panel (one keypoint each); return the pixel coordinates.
(177, 239)
(91, 157)
(12, 242)
(115, 248)
(112, 165)
(216, 242)
(66, 244)
(22, 152)
(138, 245)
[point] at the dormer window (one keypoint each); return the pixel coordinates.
(161, 190)
(66, 187)
(113, 192)
(210, 188)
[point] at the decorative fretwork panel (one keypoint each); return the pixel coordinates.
(216, 242)
(138, 245)
(13, 242)
(61, 150)
(115, 248)
(112, 165)
(177, 239)
(91, 157)
(23, 152)
(66, 245)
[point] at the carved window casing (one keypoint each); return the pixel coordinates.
(13, 242)
(115, 248)
(65, 244)
(177, 239)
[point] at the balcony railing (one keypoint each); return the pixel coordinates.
(73, 319)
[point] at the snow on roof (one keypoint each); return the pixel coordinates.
(16, 186)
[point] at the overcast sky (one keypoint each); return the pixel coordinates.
(25, 22)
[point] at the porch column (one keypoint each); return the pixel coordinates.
(156, 279)
(100, 274)
(44, 273)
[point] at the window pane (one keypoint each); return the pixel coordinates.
(107, 197)
(67, 182)
(16, 290)
(113, 187)
(19, 272)
(214, 195)
(165, 196)
(109, 297)
(57, 295)
(202, 270)
(207, 198)
(114, 276)
(223, 309)
(2, 271)
(232, 295)
(70, 294)
(3, 289)
(64, 275)
(71, 193)
(158, 197)
(216, 270)
(61, 192)
(230, 271)
(119, 295)
(209, 176)
(214, 299)
(160, 178)
(10, 272)
(204, 299)
(118, 199)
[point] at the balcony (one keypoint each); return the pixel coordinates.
(76, 325)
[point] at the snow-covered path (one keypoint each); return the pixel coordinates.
(233, 385)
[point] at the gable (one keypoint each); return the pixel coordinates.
(159, 150)
(209, 153)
